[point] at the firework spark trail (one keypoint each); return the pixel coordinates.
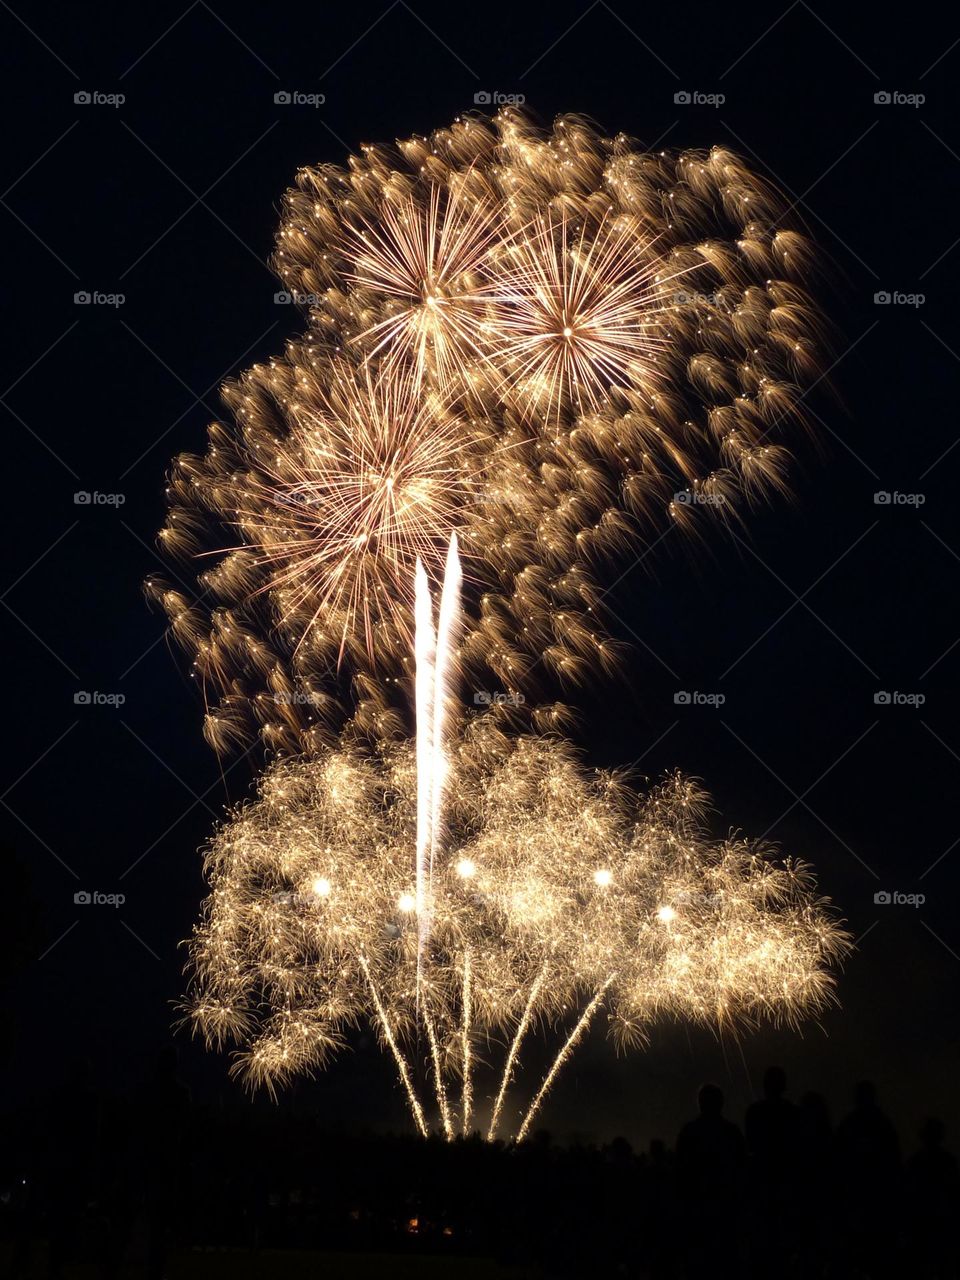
(467, 1052)
(398, 1057)
(569, 1045)
(510, 1065)
(439, 1076)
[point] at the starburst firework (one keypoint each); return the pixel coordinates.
(576, 313)
(370, 479)
(427, 258)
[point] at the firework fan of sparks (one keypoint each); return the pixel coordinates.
(562, 897)
(441, 277)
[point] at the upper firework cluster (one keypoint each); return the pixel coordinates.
(550, 343)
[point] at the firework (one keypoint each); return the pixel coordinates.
(576, 314)
(370, 481)
(557, 893)
(426, 258)
(442, 276)
(531, 351)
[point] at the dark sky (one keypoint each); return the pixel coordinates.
(171, 199)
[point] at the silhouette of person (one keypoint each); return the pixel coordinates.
(868, 1173)
(772, 1129)
(772, 1134)
(934, 1193)
(710, 1163)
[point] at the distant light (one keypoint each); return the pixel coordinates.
(603, 877)
(666, 914)
(321, 887)
(466, 868)
(407, 902)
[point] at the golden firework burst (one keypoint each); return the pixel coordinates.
(425, 258)
(559, 892)
(577, 311)
(372, 477)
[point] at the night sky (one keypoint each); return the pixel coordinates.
(171, 199)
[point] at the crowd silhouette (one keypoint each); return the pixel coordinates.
(114, 1188)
